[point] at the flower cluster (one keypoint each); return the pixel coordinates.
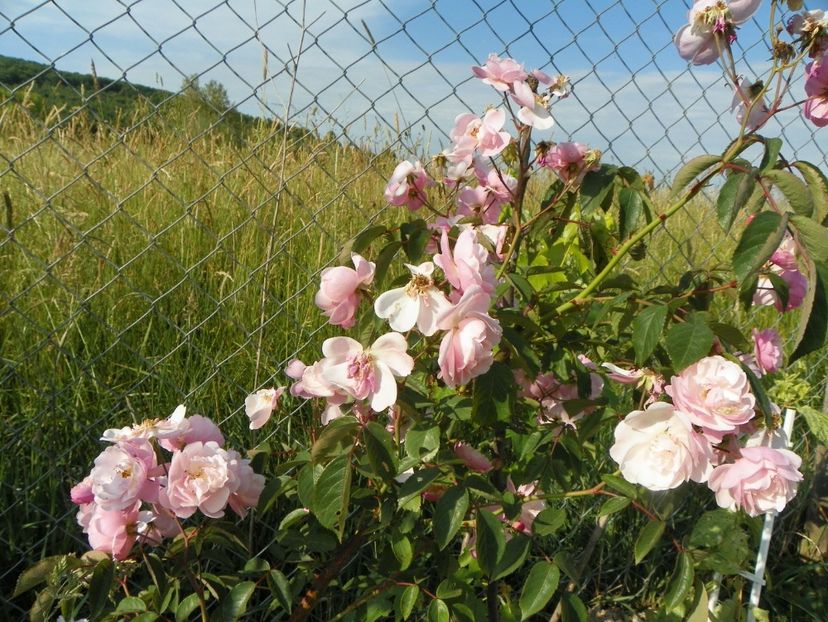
(129, 496)
(709, 434)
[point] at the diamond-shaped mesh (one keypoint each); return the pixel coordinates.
(166, 219)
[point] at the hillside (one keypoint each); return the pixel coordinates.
(58, 95)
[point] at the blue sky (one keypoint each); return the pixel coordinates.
(418, 73)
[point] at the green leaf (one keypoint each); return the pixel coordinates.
(549, 521)
(691, 170)
(414, 236)
(360, 242)
(379, 447)
(422, 444)
(647, 539)
(449, 514)
(596, 187)
(522, 285)
(813, 321)
(732, 197)
(689, 341)
(699, 609)
(613, 505)
(384, 259)
(407, 601)
(722, 543)
(681, 582)
(280, 588)
(403, 551)
(438, 611)
(100, 586)
(817, 423)
(619, 484)
(490, 542)
(42, 607)
(759, 240)
(332, 493)
(494, 395)
(149, 616)
(234, 604)
(817, 184)
(523, 350)
(814, 236)
(771, 156)
(574, 609)
(416, 484)
(35, 575)
(780, 288)
(513, 556)
(729, 334)
(794, 190)
(647, 327)
(762, 400)
(131, 604)
(335, 439)
(631, 209)
(539, 587)
(186, 607)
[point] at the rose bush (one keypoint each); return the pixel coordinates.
(452, 428)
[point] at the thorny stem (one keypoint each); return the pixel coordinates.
(517, 204)
(199, 590)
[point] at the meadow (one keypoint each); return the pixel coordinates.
(162, 260)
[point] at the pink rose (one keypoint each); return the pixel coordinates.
(246, 483)
(761, 480)
(466, 350)
(199, 478)
(159, 524)
(551, 394)
(472, 133)
(114, 532)
(339, 291)
(467, 265)
(260, 405)
(196, 428)
(659, 449)
(529, 510)
(500, 73)
(121, 475)
(417, 304)
(150, 428)
(81, 493)
(534, 110)
(623, 376)
(797, 283)
(570, 161)
(816, 87)
(767, 349)
(715, 394)
(407, 186)
(709, 19)
(368, 373)
(472, 458)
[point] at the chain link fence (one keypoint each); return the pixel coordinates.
(174, 175)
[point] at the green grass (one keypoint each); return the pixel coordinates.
(133, 278)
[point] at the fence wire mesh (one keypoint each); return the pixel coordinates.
(176, 173)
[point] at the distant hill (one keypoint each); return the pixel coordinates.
(49, 91)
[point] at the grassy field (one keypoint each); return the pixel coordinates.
(143, 267)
